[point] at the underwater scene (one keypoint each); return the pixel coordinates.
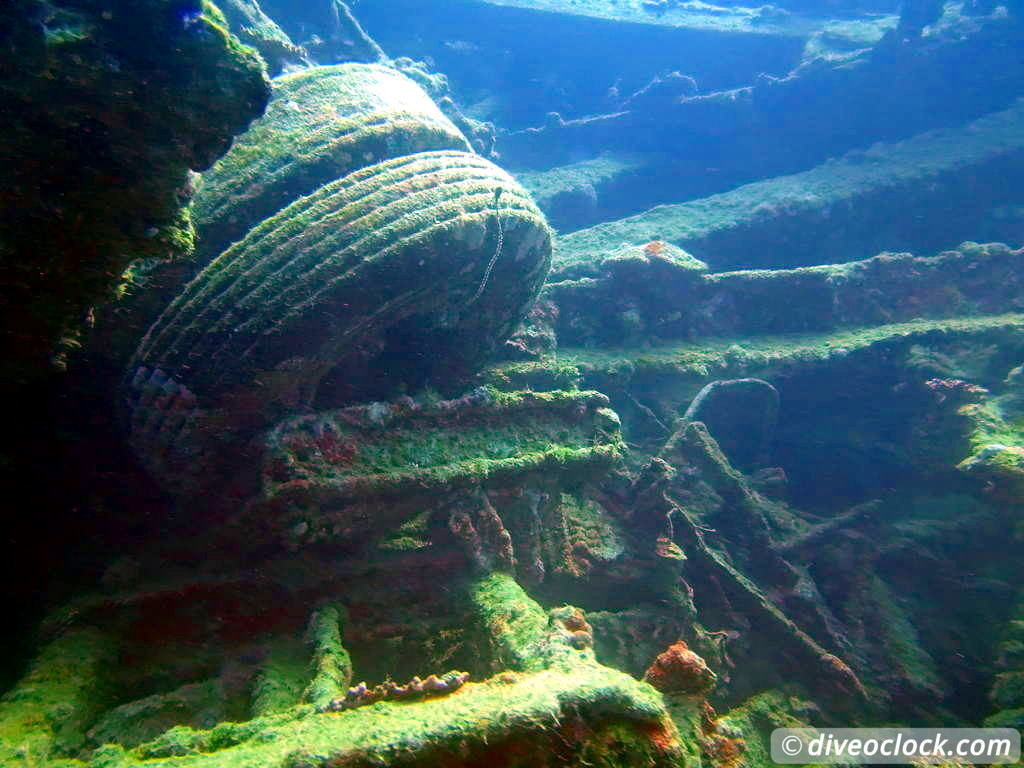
(508, 383)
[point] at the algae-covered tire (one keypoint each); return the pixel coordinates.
(321, 124)
(407, 272)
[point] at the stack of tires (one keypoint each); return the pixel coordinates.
(356, 249)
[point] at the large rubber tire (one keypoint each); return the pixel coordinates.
(321, 124)
(404, 274)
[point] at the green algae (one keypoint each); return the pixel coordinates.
(199, 705)
(546, 186)
(513, 622)
(996, 439)
(322, 124)
(327, 294)
(991, 425)
(1008, 689)
(688, 716)
(48, 712)
(162, 97)
(499, 437)
(541, 375)
(476, 715)
(809, 207)
(254, 28)
(1007, 692)
(657, 300)
(331, 664)
(589, 527)
(621, 746)
(754, 353)
(525, 709)
(901, 640)
(756, 718)
(410, 535)
(490, 442)
(283, 677)
(1006, 718)
(473, 471)
(356, 245)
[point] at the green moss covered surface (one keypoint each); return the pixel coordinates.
(540, 375)
(1007, 692)
(410, 236)
(656, 299)
(332, 665)
(547, 186)
(714, 357)
(812, 215)
(48, 712)
(322, 123)
(514, 623)
(104, 109)
(753, 721)
(551, 705)
(996, 438)
(253, 27)
(451, 729)
(283, 678)
(196, 705)
(452, 445)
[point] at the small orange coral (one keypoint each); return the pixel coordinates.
(680, 670)
(660, 735)
(724, 751)
(576, 631)
(654, 248)
(574, 620)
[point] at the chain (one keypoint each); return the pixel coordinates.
(497, 251)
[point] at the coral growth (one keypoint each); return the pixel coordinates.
(680, 670)
(724, 751)
(956, 390)
(574, 628)
(477, 525)
(654, 248)
(361, 695)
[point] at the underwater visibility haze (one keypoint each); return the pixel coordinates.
(507, 383)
